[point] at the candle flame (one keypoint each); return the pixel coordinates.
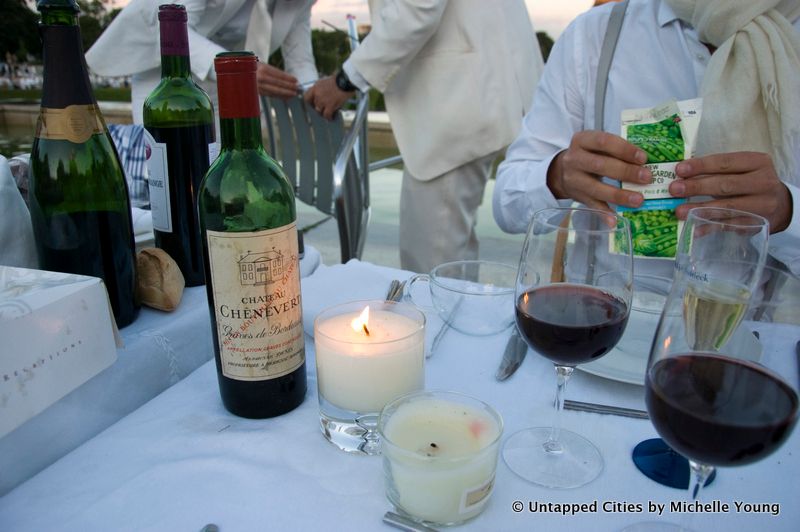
(360, 323)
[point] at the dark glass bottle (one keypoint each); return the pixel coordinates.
(249, 232)
(179, 120)
(78, 195)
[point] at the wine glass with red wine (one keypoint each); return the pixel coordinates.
(573, 295)
(711, 402)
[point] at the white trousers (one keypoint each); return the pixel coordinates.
(438, 217)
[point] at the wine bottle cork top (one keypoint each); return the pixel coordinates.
(236, 84)
(235, 62)
(172, 12)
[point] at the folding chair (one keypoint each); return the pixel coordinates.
(327, 163)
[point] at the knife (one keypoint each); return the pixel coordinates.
(515, 352)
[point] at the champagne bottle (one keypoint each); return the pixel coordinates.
(179, 120)
(78, 195)
(249, 233)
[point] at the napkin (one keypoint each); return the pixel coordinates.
(17, 245)
(310, 261)
(142, 224)
(333, 285)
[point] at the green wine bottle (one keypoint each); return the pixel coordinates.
(179, 120)
(248, 224)
(78, 195)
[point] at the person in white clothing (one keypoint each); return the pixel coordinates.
(457, 77)
(722, 50)
(129, 46)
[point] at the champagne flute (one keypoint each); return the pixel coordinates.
(710, 404)
(573, 295)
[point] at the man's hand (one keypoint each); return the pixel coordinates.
(746, 181)
(575, 172)
(326, 97)
(275, 82)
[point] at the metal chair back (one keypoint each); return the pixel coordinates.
(327, 163)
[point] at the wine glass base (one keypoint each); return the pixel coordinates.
(578, 463)
(657, 461)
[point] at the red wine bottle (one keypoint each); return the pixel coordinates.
(79, 202)
(249, 233)
(179, 120)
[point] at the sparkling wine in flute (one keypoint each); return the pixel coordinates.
(712, 312)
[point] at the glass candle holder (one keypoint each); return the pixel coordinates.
(439, 455)
(368, 353)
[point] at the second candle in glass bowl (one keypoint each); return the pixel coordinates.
(439, 455)
(368, 353)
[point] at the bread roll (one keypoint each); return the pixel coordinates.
(159, 281)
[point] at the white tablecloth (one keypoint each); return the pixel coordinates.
(181, 461)
(160, 350)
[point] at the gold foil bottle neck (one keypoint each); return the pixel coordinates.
(75, 123)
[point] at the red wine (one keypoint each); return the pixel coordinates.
(187, 161)
(571, 324)
(179, 119)
(719, 411)
(85, 243)
(249, 227)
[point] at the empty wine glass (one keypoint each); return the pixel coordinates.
(711, 403)
(573, 295)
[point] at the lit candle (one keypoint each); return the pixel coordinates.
(440, 455)
(365, 361)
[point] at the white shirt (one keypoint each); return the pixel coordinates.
(231, 36)
(650, 67)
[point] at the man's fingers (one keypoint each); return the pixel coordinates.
(723, 163)
(603, 165)
(609, 144)
(714, 185)
(594, 193)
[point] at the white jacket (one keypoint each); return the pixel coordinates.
(130, 45)
(457, 76)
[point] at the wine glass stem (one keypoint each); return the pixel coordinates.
(553, 443)
(700, 474)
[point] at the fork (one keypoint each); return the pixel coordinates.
(395, 290)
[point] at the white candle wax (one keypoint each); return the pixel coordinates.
(362, 372)
(441, 458)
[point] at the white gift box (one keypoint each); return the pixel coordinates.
(56, 332)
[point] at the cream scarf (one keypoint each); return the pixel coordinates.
(751, 87)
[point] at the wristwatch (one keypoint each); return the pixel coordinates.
(344, 83)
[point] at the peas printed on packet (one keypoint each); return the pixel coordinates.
(666, 133)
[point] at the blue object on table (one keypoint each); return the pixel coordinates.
(659, 462)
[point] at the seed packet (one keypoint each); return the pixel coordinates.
(667, 134)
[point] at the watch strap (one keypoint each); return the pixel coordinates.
(344, 83)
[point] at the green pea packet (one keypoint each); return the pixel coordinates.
(666, 133)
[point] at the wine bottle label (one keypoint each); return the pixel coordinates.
(255, 282)
(75, 123)
(158, 183)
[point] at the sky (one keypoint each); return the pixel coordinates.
(551, 16)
